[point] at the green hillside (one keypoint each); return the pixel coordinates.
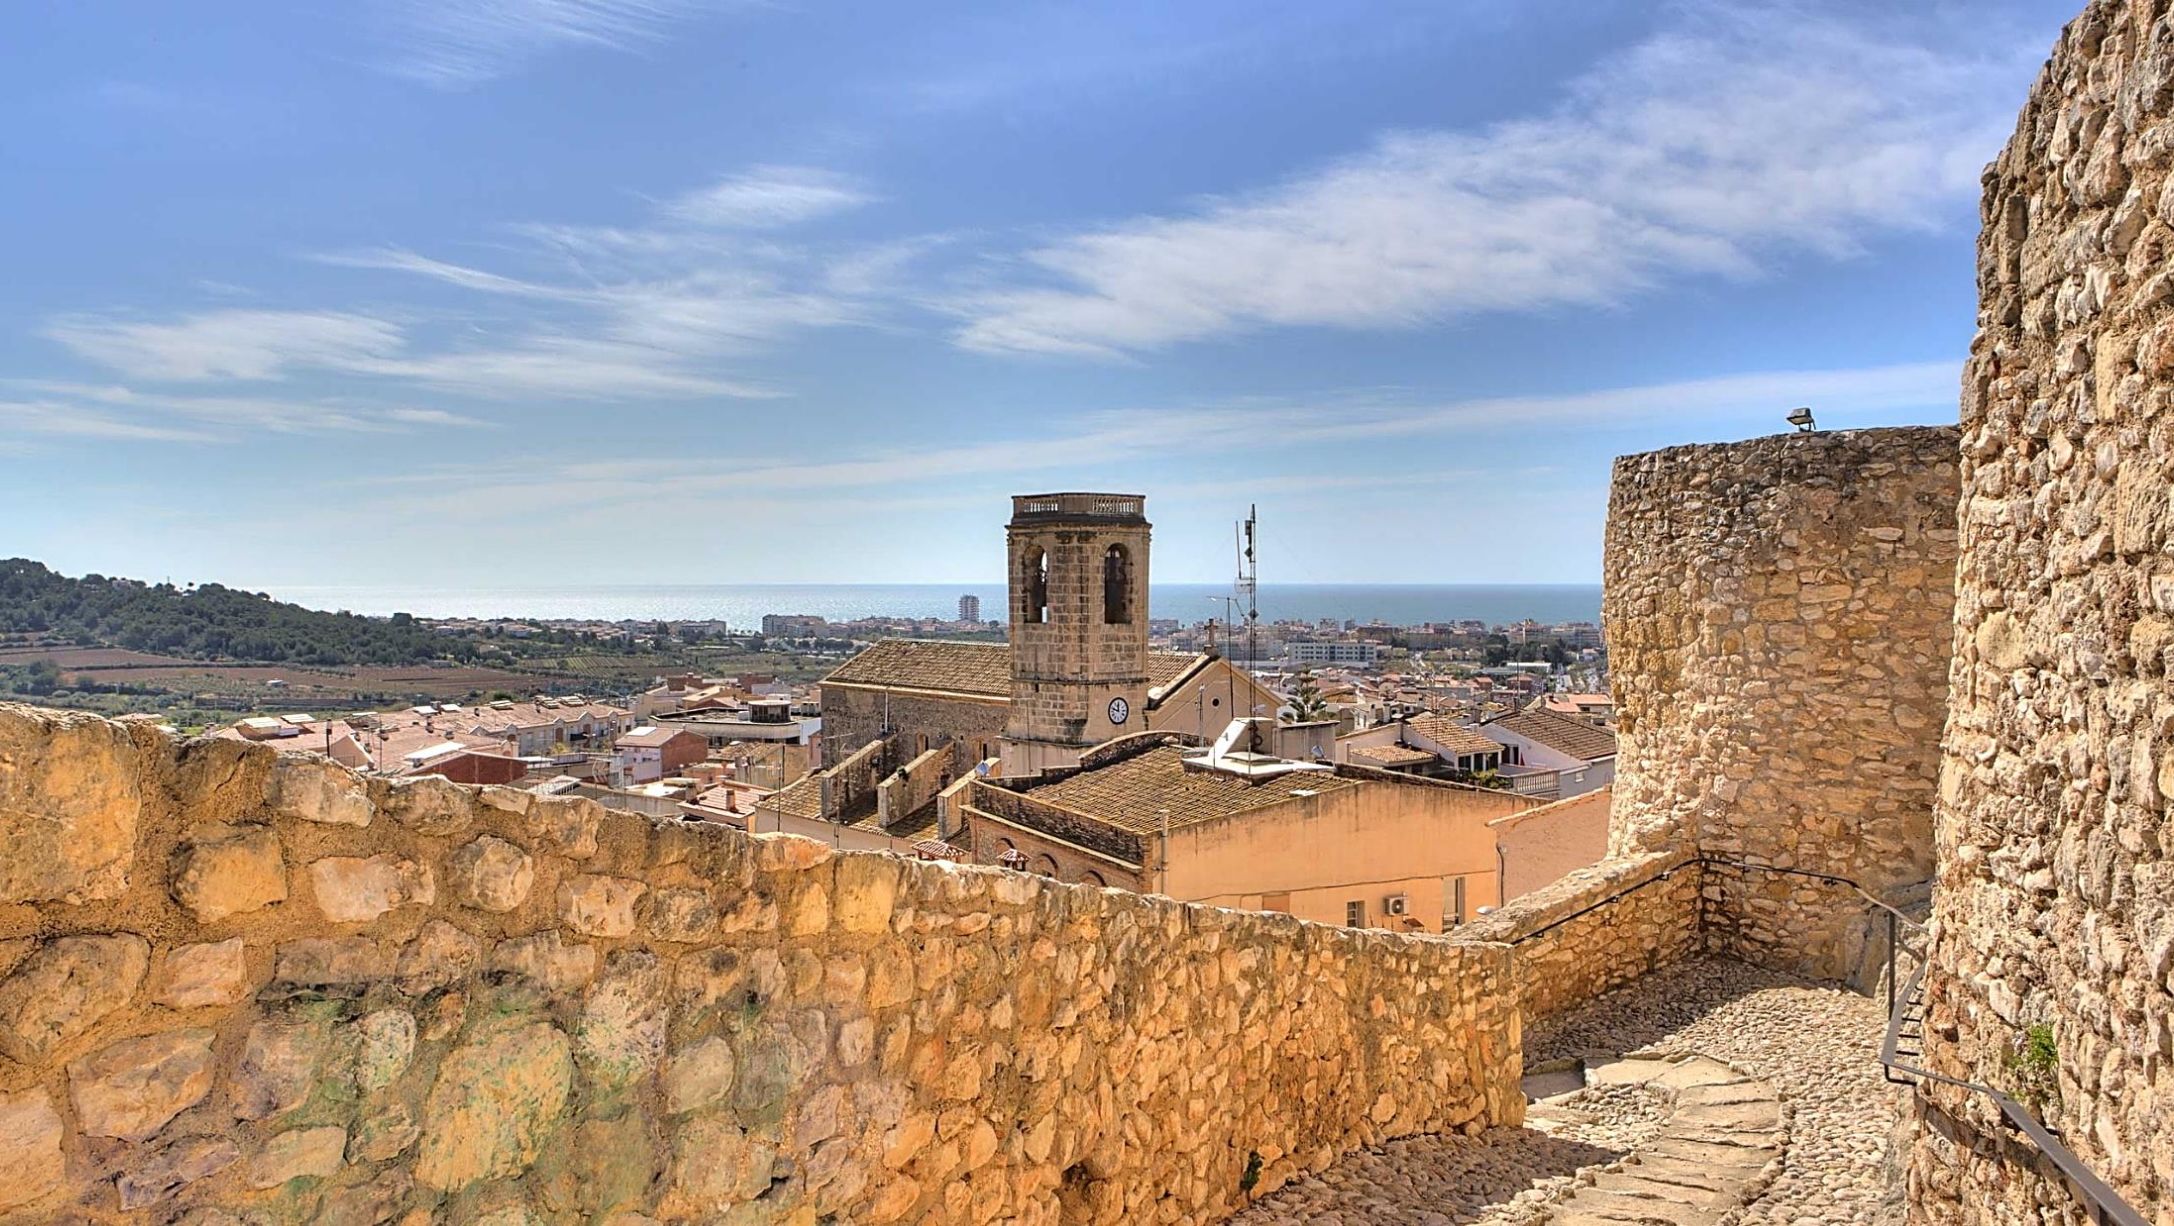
(206, 622)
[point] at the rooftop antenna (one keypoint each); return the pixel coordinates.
(1248, 582)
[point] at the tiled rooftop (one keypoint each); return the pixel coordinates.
(1393, 755)
(979, 669)
(982, 669)
(1451, 735)
(1572, 736)
(1131, 794)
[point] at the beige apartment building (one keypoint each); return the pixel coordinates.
(1233, 826)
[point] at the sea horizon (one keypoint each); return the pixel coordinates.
(744, 604)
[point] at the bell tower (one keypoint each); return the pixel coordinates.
(1078, 566)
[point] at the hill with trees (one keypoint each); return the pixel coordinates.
(206, 622)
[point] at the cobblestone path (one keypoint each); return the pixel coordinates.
(1747, 1086)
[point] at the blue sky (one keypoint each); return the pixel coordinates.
(476, 292)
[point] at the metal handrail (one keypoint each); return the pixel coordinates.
(2107, 1206)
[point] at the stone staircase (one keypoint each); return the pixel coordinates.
(1719, 1148)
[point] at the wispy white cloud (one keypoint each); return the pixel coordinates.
(217, 346)
(1736, 133)
(1127, 439)
(228, 344)
(60, 409)
(56, 418)
(766, 196)
(665, 307)
(661, 309)
(456, 43)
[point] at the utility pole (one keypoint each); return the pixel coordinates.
(1162, 870)
(1248, 584)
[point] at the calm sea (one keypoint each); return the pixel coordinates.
(743, 604)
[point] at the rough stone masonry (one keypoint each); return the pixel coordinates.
(238, 987)
(2053, 970)
(1779, 617)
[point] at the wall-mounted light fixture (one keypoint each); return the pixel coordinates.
(1801, 418)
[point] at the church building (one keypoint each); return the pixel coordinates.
(1076, 673)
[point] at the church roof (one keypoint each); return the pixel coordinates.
(982, 670)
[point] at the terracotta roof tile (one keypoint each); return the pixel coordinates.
(1451, 735)
(980, 669)
(801, 798)
(1394, 755)
(1164, 667)
(651, 737)
(1131, 794)
(1572, 736)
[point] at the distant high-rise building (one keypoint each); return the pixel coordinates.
(969, 608)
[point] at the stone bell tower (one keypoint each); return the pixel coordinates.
(1078, 566)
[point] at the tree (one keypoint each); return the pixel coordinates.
(39, 677)
(1307, 705)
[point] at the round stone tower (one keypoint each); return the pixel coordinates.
(1078, 573)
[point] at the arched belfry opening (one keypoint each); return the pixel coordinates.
(1116, 585)
(1034, 586)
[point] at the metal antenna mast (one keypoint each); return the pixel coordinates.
(1249, 579)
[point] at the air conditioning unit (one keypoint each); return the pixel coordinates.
(1396, 904)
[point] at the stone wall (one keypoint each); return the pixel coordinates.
(1597, 929)
(2055, 902)
(237, 987)
(853, 716)
(1778, 617)
(913, 785)
(854, 780)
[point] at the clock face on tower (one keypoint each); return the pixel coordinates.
(1119, 710)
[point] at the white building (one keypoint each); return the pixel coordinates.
(1552, 756)
(1334, 652)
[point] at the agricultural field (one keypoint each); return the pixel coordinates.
(197, 694)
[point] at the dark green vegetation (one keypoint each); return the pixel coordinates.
(207, 622)
(206, 654)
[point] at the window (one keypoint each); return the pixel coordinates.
(1116, 586)
(1456, 903)
(1046, 866)
(1034, 587)
(1091, 877)
(1355, 914)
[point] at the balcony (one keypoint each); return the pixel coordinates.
(1113, 508)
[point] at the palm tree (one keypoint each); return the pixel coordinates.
(1305, 701)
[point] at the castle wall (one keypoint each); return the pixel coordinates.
(240, 986)
(1778, 617)
(2055, 901)
(1597, 929)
